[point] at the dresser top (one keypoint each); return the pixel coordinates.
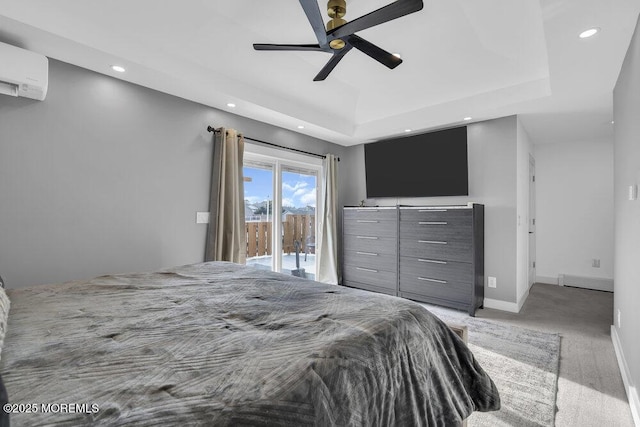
(438, 207)
(467, 206)
(364, 208)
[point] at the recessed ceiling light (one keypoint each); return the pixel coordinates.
(118, 68)
(397, 55)
(612, 121)
(300, 127)
(589, 33)
(407, 130)
(466, 119)
(231, 105)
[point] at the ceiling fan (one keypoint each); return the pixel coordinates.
(339, 37)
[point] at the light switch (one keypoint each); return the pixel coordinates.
(491, 282)
(202, 217)
(633, 192)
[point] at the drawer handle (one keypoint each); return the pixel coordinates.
(434, 242)
(367, 269)
(368, 221)
(367, 210)
(432, 210)
(367, 253)
(367, 237)
(432, 223)
(432, 261)
(432, 280)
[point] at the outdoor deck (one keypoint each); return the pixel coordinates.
(288, 264)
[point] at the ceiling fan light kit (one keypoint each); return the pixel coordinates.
(339, 36)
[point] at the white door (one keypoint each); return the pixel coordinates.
(532, 220)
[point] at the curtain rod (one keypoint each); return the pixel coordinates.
(214, 130)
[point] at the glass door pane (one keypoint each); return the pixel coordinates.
(258, 207)
(298, 199)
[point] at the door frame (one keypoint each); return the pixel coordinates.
(280, 159)
(531, 266)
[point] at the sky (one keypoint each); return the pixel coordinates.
(297, 190)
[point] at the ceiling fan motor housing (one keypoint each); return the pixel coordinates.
(336, 9)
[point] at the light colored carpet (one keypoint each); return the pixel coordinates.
(590, 388)
(523, 364)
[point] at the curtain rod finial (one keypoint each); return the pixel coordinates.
(210, 129)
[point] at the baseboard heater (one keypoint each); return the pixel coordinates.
(596, 283)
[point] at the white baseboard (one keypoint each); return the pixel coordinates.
(522, 299)
(497, 304)
(597, 283)
(547, 279)
(632, 391)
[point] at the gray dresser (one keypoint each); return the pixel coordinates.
(370, 247)
(433, 254)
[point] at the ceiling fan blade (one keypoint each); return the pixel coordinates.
(382, 56)
(384, 14)
(267, 46)
(312, 10)
(337, 56)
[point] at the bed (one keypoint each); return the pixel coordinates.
(223, 344)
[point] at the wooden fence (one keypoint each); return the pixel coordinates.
(295, 227)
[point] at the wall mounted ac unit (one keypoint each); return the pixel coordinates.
(23, 73)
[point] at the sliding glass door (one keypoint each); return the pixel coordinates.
(299, 195)
(258, 210)
(281, 201)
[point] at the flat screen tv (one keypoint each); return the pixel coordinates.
(427, 165)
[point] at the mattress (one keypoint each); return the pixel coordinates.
(223, 344)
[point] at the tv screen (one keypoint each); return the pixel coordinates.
(427, 165)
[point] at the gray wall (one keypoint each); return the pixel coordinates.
(106, 176)
(492, 182)
(574, 177)
(626, 269)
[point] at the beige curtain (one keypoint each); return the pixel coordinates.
(226, 235)
(328, 236)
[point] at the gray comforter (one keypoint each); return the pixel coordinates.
(222, 344)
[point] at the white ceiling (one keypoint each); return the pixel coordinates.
(483, 59)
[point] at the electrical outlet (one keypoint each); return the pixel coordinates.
(491, 282)
(619, 320)
(595, 263)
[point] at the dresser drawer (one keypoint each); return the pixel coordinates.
(390, 214)
(368, 287)
(371, 260)
(441, 250)
(449, 291)
(449, 271)
(373, 244)
(453, 216)
(371, 276)
(435, 230)
(370, 227)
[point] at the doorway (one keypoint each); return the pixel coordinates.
(281, 201)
